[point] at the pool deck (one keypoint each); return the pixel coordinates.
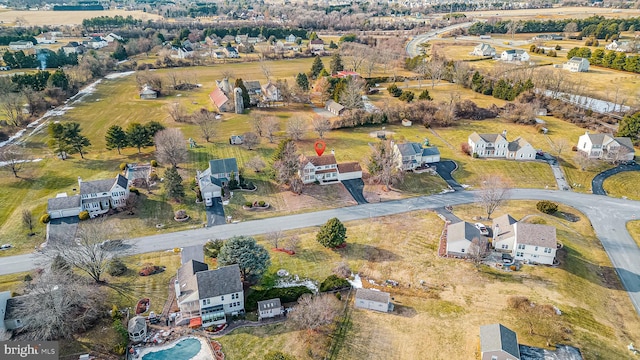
(205, 352)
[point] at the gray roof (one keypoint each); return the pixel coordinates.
(223, 166)
(625, 141)
(491, 138)
(536, 235)
(409, 149)
(96, 186)
(122, 181)
(462, 231)
(372, 295)
(252, 86)
(222, 281)
(269, 304)
(63, 203)
(136, 324)
(496, 337)
(332, 105)
(517, 144)
(186, 276)
(195, 252)
(432, 150)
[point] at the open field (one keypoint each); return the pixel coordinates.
(623, 184)
(458, 297)
(554, 13)
(56, 18)
(634, 229)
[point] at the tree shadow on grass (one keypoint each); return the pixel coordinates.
(573, 262)
(367, 252)
(312, 255)
(46, 181)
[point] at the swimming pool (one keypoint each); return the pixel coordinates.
(184, 350)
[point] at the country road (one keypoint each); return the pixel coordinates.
(412, 46)
(609, 225)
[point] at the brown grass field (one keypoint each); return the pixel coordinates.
(52, 18)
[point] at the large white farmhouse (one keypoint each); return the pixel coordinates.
(606, 147)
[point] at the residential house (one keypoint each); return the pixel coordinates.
(99, 196)
(614, 45)
(20, 45)
(316, 45)
(346, 74)
(215, 177)
(137, 328)
(269, 308)
(514, 55)
(334, 108)
(241, 39)
(96, 42)
(290, 38)
(8, 320)
(547, 37)
(373, 300)
(254, 40)
(520, 149)
(459, 238)
(206, 297)
(606, 147)
(623, 46)
(236, 139)
(497, 146)
(504, 235)
(576, 64)
(412, 155)
(318, 168)
(497, 342)
(212, 40)
(255, 91)
(64, 206)
(46, 38)
(231, 52)
(535, 243)
(194, 252)
(148, 93)
(182, 52)
(113, 37)
(73, 48)
(484, 50)
(270, 92)
(218, 54)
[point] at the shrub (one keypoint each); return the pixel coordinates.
(475, 155)
(517, 302)
(133, 190)
(406, 96)
(115, 312)
(333, 283)
(180, 214)
(261, 203)
(465, 148)
(212, 248)
(154, 163)
(45, 218)
(424, 95)
(332, 234)
(394, 90)
(558, 47)
(84, 215)
(248, 204)
(117, 267)
(278, 355)
(149, 269)
(153, 177)
(574, 148)
(28, 278)
(338, 296)
(123, 166)
(547, 206)
(286, 295)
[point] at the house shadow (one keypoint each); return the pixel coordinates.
(404, 311)
(46, 181)
(368, 253)
(605, 276)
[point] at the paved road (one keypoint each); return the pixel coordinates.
(609, 227)
(412, 46)
(598, 181)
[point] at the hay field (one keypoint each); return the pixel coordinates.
(54, 18)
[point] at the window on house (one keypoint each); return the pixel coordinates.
(519, 254)
(462, 250)
(521, 246)
(505, 246)
(208, 301)
(536, 249)
(222, 297)
(547, 250)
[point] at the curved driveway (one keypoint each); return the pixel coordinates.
(607, 215)
(412, 46)
(597, 184)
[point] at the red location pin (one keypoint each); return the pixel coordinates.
(320, 146)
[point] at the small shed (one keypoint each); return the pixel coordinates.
(236, 139)
(137, 328)
(373, 300)
(269, 308)
(148, 93)
(497, 342)
(334, 108)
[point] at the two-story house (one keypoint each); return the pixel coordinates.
(20, 45)
(520, 149)
(484, 50)
(527, 242)
(514, 55)
(215, 177)
(206, 297)
(497, 146)
(412, 155)
(606, 147)
(576, 64)
(316, 45)
(323, 169)
(98, 196)
(504, 236)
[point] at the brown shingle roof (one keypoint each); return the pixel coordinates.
(505, 225)
(536, 235)
(320, 160)
(349, 167)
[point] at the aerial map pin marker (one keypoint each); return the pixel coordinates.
(320, 146)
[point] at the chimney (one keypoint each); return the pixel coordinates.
(496, 231)
(504, 133)
(586, 132)
(79, 181)
(333, 152)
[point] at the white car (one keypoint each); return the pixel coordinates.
(482, 228)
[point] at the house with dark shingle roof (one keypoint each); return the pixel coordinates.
(269, 308)
(497, 342)
(97, 197)
(459, 238)
(213, 179)
(373, 300)
(334, 108)
(412, 155)
(205, 297)
(63, 206)
(533, 243)
(606, 147)
(8, 320)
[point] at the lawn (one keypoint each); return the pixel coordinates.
(624, 184)
(634, 229)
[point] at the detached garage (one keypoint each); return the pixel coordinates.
(63, 206)
(373, 300)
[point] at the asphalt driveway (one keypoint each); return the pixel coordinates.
(355, 188)
(62, 230)
(444, 169)
(598, 180)
(215, 213)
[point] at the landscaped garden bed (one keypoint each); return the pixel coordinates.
(256, 205)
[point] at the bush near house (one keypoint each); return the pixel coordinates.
(154, 163)
(547, 206)
(149, 269)
(45, 218)
(123, 166)
(333, 283)
(286, 295)
(84, 215)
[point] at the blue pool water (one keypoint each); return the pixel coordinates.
(182, 350)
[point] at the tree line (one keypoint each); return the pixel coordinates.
(6, 39)
(501, 89)
(278, 33)
(611, 59)
(108, 22)
(20, 60)
(136, 135)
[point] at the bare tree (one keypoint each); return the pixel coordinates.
(513, 27)
(257, 120)
(256, 164)
(570, 29)
(583, 161)
(13, 157)
(287, 167)
(355, 54)
(11, 108)
(313, 312)
(177, 112)
(321, 88)
(274, 238)
(174, 79)
(171, 146)
(382, 164)
(560, 145)
(250, 140)
(478, 249)
(271, 126)
(27, 220)
(207, 123)
(493, 192)
(321, 125)
(460, 73)
(619, 155)
(291, 243)
(69, 304)
(342, 270)
(266, 69)
(422, 70)
(351, 96)
(296, 127)
(228, 74)
(435, 71)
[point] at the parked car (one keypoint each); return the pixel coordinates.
(483, 229)
(5, 246)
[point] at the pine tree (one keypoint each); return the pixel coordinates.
(120, 53)
(173, 184)
(302, 81)
(424, 95)
(246, 100)
(138, 136)
(77, 142)
(336, 63)
(316, 67)
(332, 234)
(116, 138)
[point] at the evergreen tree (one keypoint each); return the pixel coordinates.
(630, 126)
(316, 67)
(424, 95)
(116, 138)
(120, 53)
(302, 81)
(332, 234)
(173, 184)
(252, 258)
(139, 136)
(59, 79)
(596, 57)
(313, 36)
(154, 127)
(336, 63)
(477, 82)
(246, 100)
(56, 140)
(277, 155)
(608, 58)
(333, 45)
(619, 61)
(76, 141)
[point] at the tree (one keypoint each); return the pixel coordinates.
(513, 27)
(546, 206)
(274, 237)
(256, 164)
(316, 67)
(321, 125)
(56, 140)
(207, 123)
(11, 108)
(246, 100)
(286, 165)
(313, 312)
(296, 127)
(435, 71)
(382, 164)
(173, 184)
(302, 81)
(351, 96)
(13, 157)
(116, 138)
(250, 140)
(424, 95)
(570, 28)
(406, 96)
(630, 126)
(138, 136)
(212, 248)
(271, 126)
(291, 243)
(252, 258)
(332, 234)
(336, 63)
(322, 87)
(120, 53)
(177, 112)
(171, 146)
(493, 192)
(75, 140)
(27, 220)
(478, 249)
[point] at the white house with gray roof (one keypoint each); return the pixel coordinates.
(97, 197)
(497, 342)
(576, 64)
(213, 179)
(497, 146)
(459, 238)
(484, 49)
(206, 297)
(373, 300)
(533, 243)
(606, 147)
(63, 206)
(513, 55)
(412, 155)
(269, 308)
